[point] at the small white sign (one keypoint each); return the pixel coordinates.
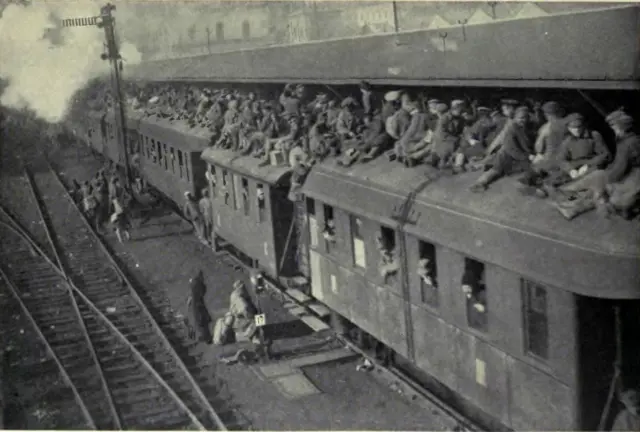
(260, 320)
(218, 219)
(481, 372)
(334, 284)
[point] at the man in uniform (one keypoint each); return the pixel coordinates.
(513, 155)
(616, 189)
(446, 137)
(192, 213)
(199, 312)
(474, 141)
(206, 209)
(582, 151)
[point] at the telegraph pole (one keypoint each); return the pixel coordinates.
(107, 21)
(113, 55)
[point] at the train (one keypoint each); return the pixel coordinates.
(558, 301)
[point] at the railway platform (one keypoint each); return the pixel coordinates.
(311, 383)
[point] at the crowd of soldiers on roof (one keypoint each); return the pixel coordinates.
(557, 156)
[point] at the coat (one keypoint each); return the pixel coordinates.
(587, 149)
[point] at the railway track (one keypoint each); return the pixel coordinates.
(116, 364)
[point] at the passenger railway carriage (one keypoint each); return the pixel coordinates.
(539, 354)
(493, 301)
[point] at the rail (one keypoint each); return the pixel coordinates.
(167, 344)
(72, 290)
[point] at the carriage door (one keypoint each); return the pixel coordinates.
(316, 275)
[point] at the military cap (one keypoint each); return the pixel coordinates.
(442, 107)
(187, 193)
(365, 85)
(433, 101)
(509, 102)
(551, 107)
(347, 102)
(614, 115)
(392, 96)
(521, 110)
(623, 120)
(457, 103)
(299, 86)
(483, 110)
(495, 113)
(575, 120)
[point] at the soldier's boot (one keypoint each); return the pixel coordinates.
(572, 209)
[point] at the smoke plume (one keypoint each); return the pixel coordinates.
(45, 64)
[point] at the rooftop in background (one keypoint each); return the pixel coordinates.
(195, 28)
(592, 49)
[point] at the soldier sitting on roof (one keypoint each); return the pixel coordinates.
(474, 140)
(446, 137)
(332, 113)
(322, 141)
(229, 138)
(347, 124)
(412, 141)
(616, 189)
(581, 152)
(267, 127)
(501, 121)
(284, 143)
(513, 155)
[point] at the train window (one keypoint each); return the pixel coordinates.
(225, 187)
(180, 162)
(213, 180)
(386, 245)
(536, 326)
(187, 161)
(329, 231)
(260, 199)
(245, 196)
(172, 157)
(474, 288)
(160, 153)
(237, 190)
(313, 222)
(359, 252)
(166, 157)
(428, 272)
(154, 151)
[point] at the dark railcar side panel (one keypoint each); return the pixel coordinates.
(282, 210)
(597, 350)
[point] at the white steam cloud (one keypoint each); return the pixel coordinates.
(45, 64)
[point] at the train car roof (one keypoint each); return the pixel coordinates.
(248, 166)
(178, 134)
(588, 49)
(500, 226)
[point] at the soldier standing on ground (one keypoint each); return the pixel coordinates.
(206, 209)
(199, 312)
(192, 213)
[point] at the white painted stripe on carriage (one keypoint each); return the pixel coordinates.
(477, 218)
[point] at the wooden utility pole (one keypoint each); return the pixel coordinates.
(107, 21)
(113, 55)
